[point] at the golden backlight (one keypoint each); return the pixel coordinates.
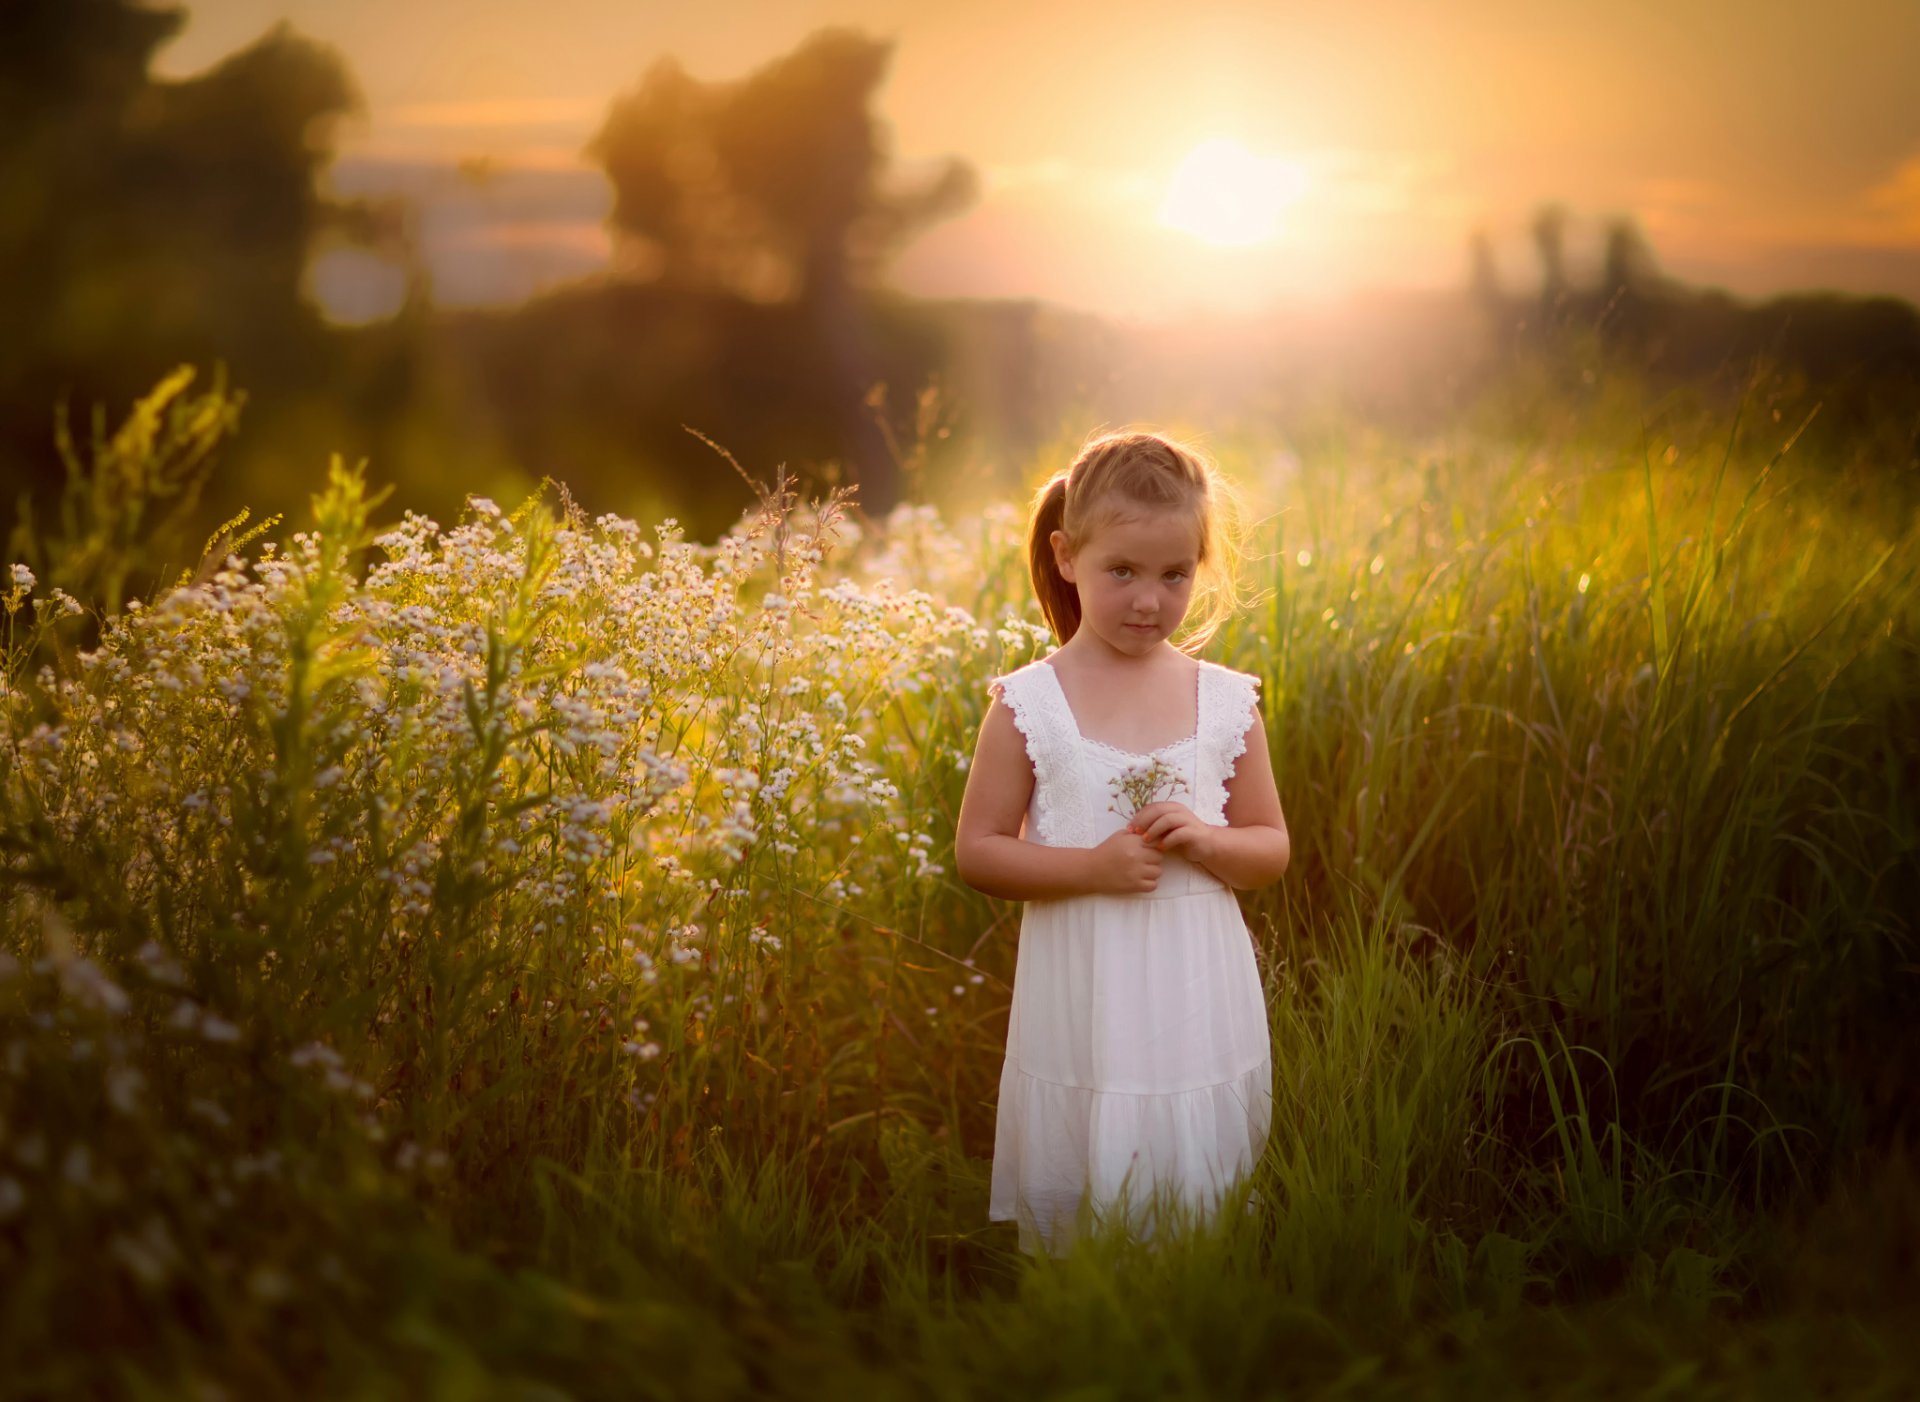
(1224, 194)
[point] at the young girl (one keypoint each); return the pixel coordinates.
(1137, 1063)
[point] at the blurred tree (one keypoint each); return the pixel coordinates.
(1630, 287)
(773, 188)
(674, 216)
(1629, 266)
(1483, 276)
(797, 143)
(144, 223)
(1550, 239)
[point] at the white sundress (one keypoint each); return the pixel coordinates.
(1138, 1057)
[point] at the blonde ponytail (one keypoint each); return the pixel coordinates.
(1059, 600)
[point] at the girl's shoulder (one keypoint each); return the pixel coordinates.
(1018, 680)
(1229, 679)
(1229, 707)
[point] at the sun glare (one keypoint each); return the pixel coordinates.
(1224, 194)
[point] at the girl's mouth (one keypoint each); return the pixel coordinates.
(1142, 627)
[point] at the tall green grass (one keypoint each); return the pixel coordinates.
(415, 975)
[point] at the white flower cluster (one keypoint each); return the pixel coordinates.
(607, 715)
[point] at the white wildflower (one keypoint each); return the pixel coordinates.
(124, 1084)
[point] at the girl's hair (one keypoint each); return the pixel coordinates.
(1128, 473)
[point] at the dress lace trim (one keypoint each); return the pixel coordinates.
(1162, 752)
(1228, 708)
(1059, 819)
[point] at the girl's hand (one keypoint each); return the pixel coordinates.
(1168, 826)
(1124, 865)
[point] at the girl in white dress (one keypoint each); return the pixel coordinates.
(1138, 1069)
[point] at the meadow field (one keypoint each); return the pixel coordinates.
(521, 956)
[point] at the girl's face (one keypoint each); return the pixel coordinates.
(1134, 577)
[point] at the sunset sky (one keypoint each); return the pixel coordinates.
(1147, 158)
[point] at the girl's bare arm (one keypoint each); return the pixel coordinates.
(988, 851)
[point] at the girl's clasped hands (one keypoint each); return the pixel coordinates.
(1130, 860)
(1171, 826)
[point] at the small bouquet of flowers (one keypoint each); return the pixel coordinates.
(1141, 784)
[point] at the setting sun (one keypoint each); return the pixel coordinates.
(1224, 194)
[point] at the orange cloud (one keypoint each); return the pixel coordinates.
(1896, 200)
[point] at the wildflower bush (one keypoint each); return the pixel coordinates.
(526, 949)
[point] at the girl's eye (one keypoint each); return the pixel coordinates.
(1121, 570)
